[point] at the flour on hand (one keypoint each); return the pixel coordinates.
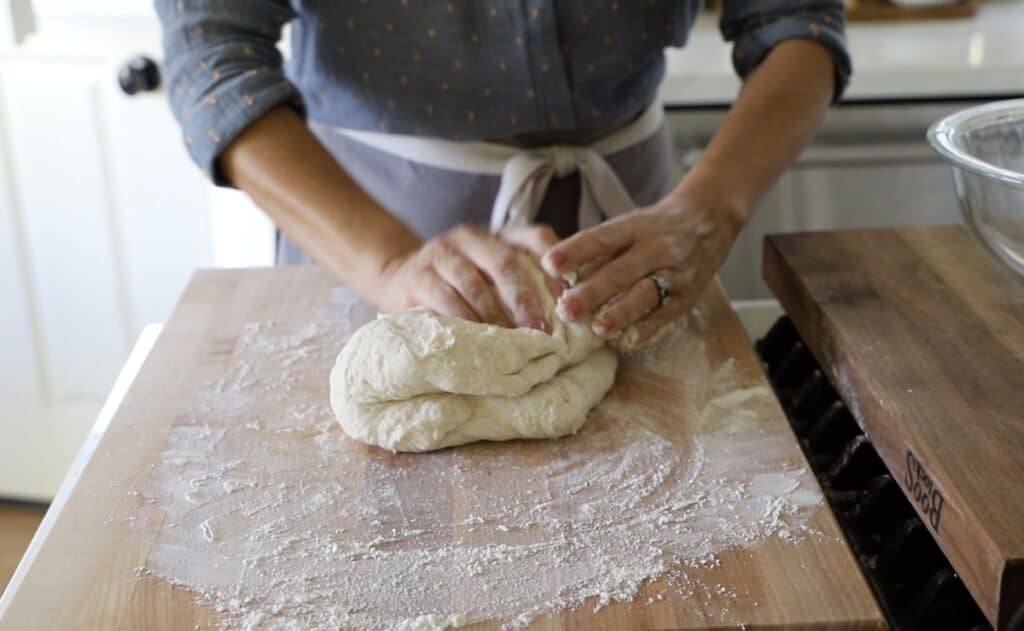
(417, 381)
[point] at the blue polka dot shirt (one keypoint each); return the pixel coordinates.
(462, 70)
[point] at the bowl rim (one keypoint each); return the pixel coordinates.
(941, 136)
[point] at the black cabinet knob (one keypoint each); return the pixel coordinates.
(138, 74)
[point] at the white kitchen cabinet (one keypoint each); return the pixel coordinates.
(846, 193)
(868, 166)
(103, 219)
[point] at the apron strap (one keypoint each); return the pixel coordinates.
(526, 173)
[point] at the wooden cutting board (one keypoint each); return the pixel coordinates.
(885, 11)
(82, 570)
(923, 336)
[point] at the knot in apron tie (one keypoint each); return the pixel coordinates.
(526, 176)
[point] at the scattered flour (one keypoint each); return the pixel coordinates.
(277, 521)
(431, 622)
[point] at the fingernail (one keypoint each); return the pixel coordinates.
(571, 306)
(542, 325)
(532, 323)
(564, 312)
(601, 326)
(550, 262)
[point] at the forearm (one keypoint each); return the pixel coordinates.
(311, 198)
(782, 103)
(680, 242)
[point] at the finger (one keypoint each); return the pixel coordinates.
(647, 328)
(688, 286)
(460, 273)
(536, 240)
(611, 279)
(676, 306)
(437, 295)
(639, 300)
(506, 268)
(607, 239)
(670, 312)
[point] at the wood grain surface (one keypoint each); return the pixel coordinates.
(885, 11)
(18, 522)
(83, 574)
(923, 336)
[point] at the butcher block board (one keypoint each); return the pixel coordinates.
(923, 336)
(82, 572)
(885, 11)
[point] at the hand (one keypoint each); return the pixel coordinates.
(470, 273)
(679, 238)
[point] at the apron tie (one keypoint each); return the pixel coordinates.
(526, 173)
(526, 176)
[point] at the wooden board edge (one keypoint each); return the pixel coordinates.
(140, 352)
(983, 581)
(858, 12)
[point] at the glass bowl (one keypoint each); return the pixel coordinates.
(985, 145)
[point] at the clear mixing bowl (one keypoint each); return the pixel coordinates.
(985, 145)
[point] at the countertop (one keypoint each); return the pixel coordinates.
(179, 486)
(955, 59)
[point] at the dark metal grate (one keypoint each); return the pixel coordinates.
(912, 580)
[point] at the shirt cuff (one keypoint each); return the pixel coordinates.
(211, 122)
(753, 44)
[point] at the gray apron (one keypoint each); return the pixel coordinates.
(432, 200)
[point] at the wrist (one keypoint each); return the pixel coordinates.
(719, 203)
(375, 274)
(390, 258)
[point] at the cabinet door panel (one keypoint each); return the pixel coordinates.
(741, 272)
(62, 182)
(859, 196)
(19, 367)
(840, 195)
(102, 221)
(160, 200)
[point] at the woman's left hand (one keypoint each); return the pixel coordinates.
(681, 239)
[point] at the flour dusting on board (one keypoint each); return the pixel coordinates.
(309, 530)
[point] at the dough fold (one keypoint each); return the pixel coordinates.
(417, 381)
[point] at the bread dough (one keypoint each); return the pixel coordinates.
(417, 381)
(556, 407)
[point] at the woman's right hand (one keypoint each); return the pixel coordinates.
(470, 273)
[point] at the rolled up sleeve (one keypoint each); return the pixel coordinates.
(223, 69)
(757, 27)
